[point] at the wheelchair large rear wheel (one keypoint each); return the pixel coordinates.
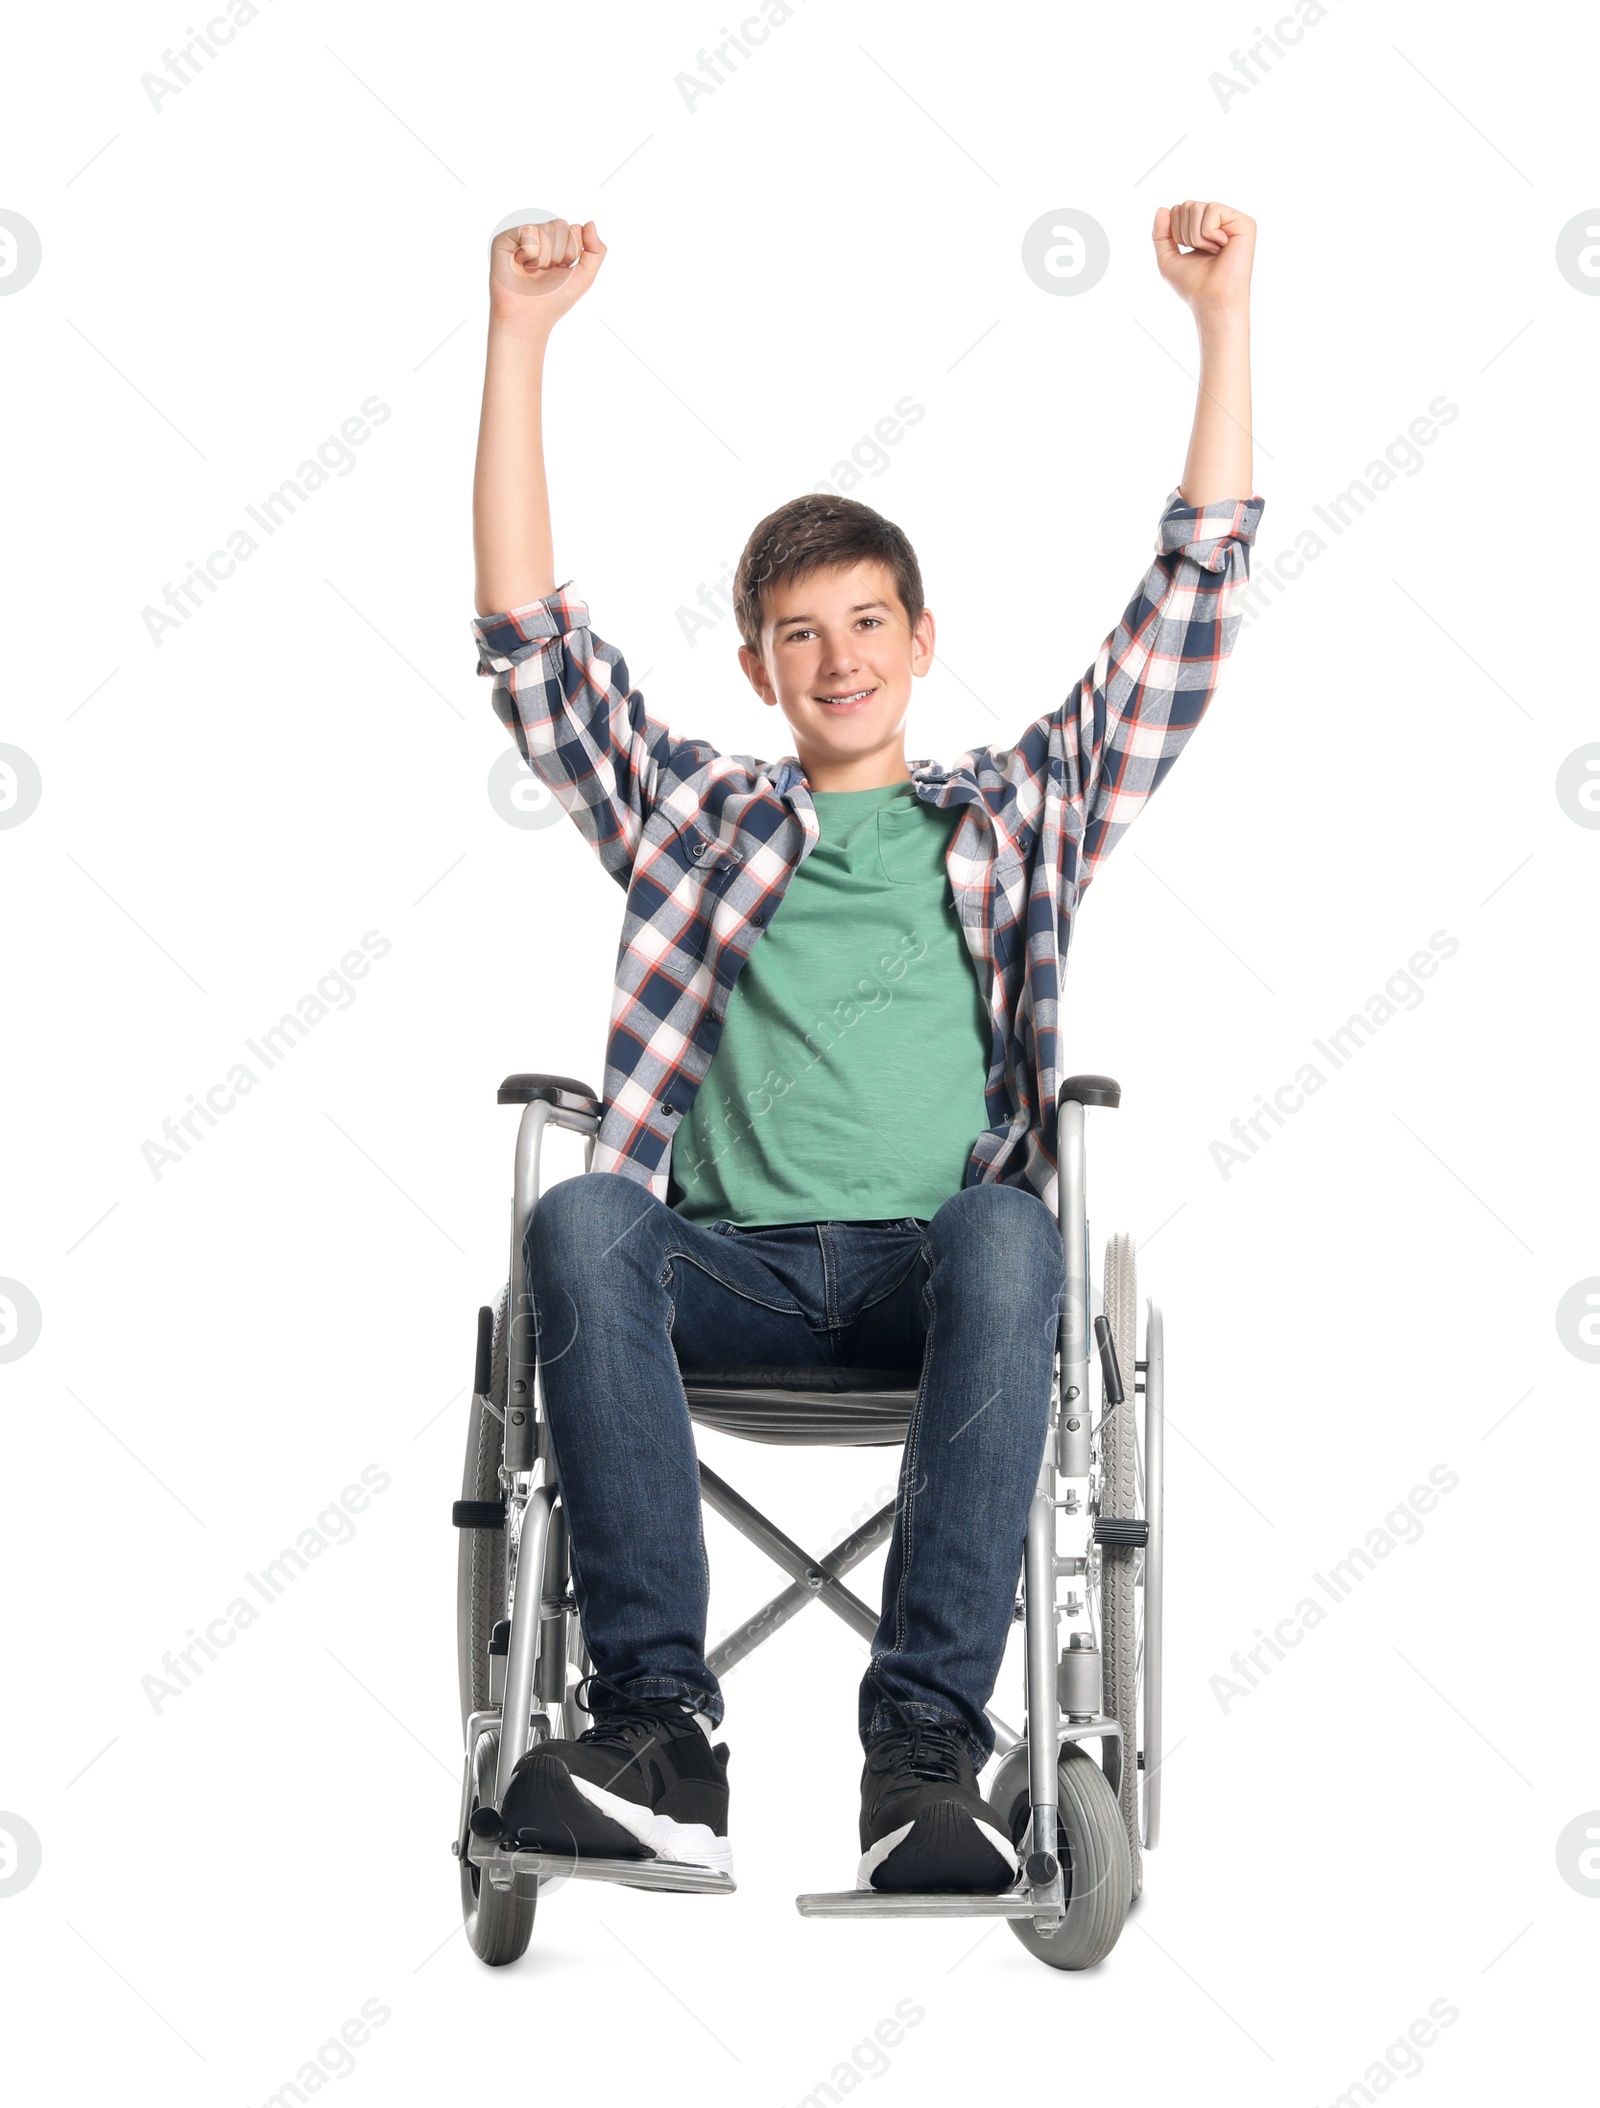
(499, 1921)
(1093, 1850)
(1121, 1493)
(481, 1581)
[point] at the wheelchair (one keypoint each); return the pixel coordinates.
(1092, 1663)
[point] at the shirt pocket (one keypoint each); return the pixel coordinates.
(690, 845)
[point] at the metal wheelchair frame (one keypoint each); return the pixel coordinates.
(529, 1688)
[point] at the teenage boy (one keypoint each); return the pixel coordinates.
(831, 1074)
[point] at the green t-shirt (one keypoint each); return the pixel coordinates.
(848, 1083)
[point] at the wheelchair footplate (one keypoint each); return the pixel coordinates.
(501, 1863)
(1044, 1902)
(1044, 1905)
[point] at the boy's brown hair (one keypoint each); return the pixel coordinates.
(820, 532)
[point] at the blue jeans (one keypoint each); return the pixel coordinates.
(626, 1293)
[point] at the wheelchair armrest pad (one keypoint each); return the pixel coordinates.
(1090, 1090)
(526, 1086)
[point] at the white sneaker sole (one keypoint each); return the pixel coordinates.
(681, 1844)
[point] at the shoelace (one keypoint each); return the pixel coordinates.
(931, 1752)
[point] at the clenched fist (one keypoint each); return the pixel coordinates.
(1221, 244)
(539, 271)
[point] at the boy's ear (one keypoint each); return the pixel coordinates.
(756, 674)
(922, 636)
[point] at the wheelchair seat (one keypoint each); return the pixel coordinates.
(850, 1408)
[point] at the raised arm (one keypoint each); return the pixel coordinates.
(1117, 732)
(1214, 280)
(563, 693)
(536, 273)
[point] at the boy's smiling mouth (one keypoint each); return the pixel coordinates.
(851, 701)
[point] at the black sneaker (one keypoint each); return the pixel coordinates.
(642, 1783)
(925, 1828)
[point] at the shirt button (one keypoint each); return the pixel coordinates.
(758, 922)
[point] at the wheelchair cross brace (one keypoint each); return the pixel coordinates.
(815, 1580)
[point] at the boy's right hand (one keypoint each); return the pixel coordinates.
(539, 271)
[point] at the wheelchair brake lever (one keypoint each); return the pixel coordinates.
(1109, 1369)
(483, 1363)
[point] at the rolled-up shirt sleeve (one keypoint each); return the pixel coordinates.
(566, 698)
(1115, 735)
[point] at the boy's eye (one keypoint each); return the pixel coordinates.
(796, 636)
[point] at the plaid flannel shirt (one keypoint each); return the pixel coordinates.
(705, 844)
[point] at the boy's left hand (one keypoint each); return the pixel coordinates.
(1216, 273)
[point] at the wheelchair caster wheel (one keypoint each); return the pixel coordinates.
(498, 1918)
(1095, 1860)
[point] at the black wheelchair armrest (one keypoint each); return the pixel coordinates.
(523, 1088)
(1090, 1090)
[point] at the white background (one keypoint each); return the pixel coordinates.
(1373, 1294)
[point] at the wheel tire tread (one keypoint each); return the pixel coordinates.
(481, 1555)
(1096, 1842)
(1119, 1487)
(499, 1922)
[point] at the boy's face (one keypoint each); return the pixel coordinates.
(838, 657)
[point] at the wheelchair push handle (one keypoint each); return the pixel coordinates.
(483, 1366)
(1108, 1361)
